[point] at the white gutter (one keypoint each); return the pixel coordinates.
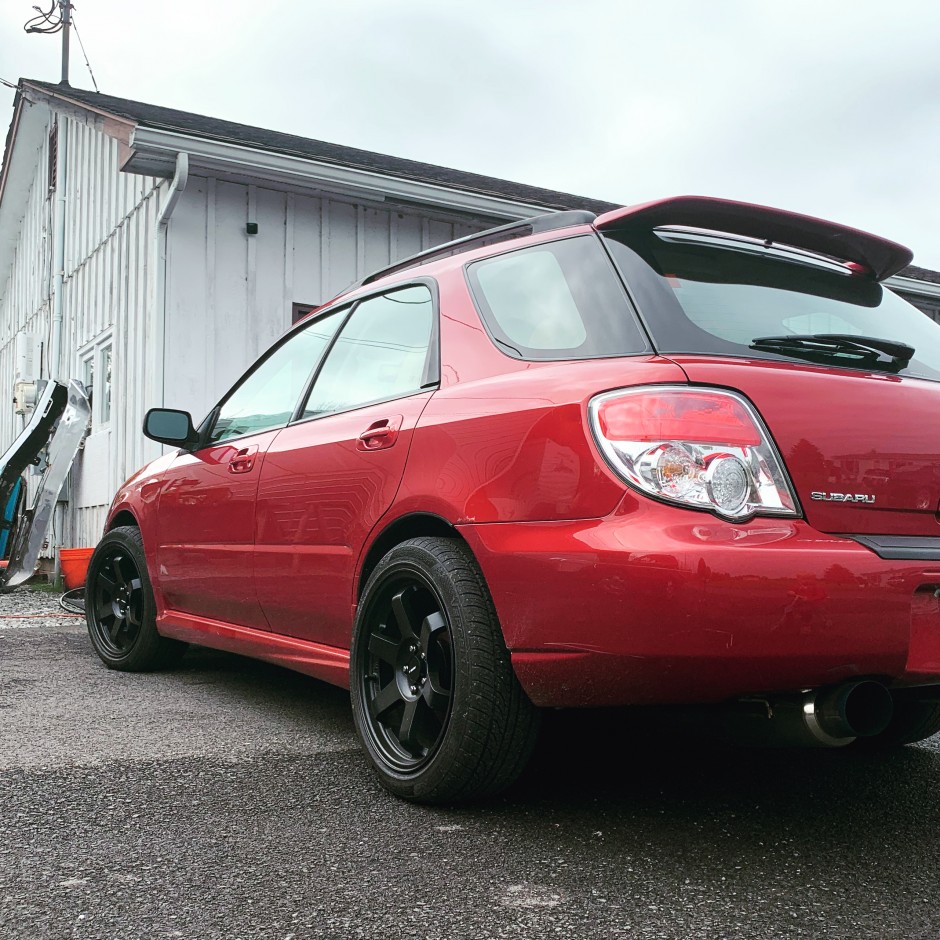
(913, 285)
(156, 384)
(58, 259)
(153, 148)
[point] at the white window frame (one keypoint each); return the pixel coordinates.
(94, 354)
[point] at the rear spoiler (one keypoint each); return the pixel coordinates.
(877, 256)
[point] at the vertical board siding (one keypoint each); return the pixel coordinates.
(108, 290)
(109, 231)
(305, 267)
(25, 294)
(229, 294)
(270, 271)
(190, 258)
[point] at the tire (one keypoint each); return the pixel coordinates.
(120, 609)
(914, 720)
(437, 706)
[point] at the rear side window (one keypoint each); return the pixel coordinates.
(559, 300)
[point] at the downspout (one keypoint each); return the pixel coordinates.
(158, 363)
(58, 259)
(58, 289)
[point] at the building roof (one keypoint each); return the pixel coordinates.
(244, 135)
(921, 274)
(136, 120)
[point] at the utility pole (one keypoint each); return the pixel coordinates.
(66, 23)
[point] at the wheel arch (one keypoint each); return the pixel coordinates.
(412, 526)
(122, 518)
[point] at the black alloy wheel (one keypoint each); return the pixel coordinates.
(117, 601)
(120, 609)
(407, 682)
(437, 706)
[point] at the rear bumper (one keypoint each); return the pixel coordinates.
(668, 605)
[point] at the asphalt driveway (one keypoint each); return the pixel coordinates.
(228, 799)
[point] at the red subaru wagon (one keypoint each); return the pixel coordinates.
(684, 452)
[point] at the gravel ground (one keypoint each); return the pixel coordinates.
(228, 799)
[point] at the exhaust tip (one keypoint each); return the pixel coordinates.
(869, 708)
(853, 710)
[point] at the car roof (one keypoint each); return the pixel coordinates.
(862, 252)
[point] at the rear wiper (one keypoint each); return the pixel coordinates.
(866, 350)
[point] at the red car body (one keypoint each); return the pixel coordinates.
(606, 595)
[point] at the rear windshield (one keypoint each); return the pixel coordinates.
(700, 295)
(556, 300)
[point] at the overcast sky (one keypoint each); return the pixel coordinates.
(832, 109)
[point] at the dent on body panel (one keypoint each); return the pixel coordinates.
(532, 471)
(497, 443)
(506, 459)
(506, 439)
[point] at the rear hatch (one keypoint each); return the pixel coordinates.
(845, 374)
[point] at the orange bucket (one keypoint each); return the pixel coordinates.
(74, 564)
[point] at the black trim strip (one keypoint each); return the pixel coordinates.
(901, 547)
(550, 222)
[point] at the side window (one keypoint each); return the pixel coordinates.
(267, 397)
(558, 300)
(380, 354)
(531, 300)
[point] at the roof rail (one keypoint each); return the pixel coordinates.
(504, 233)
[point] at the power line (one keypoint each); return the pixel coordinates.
(85, 54)
(45, 22)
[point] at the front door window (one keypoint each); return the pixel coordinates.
(267, 397)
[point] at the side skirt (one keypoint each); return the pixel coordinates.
(328, 663)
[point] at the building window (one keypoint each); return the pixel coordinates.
(300, 310)
(104, 397)
(53, 156)
(87, 371)
(94, 367)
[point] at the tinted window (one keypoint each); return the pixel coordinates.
(381, 353)
(702, 296)
(267, 397)
(560, 300)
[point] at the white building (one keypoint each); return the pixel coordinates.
(187, 246)
(154, 253)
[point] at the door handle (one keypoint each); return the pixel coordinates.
(380, 434)
(244, 460)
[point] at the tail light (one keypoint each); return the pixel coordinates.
(696, 447)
